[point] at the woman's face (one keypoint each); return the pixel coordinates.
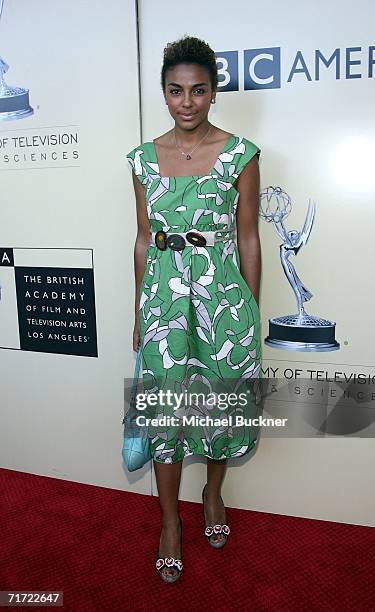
(188, 93)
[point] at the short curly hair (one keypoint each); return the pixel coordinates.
(190, 50)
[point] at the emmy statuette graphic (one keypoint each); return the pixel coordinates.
(14, 101)
(299, 331)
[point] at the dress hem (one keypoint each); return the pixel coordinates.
(208, 456)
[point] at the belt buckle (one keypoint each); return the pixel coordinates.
(161, 240)
(176, 242)
(196, 238)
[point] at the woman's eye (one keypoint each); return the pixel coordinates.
(174, 91)
(200, 91)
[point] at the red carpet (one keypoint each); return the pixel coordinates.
(98, 546)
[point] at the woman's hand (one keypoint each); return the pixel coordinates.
(136, 335)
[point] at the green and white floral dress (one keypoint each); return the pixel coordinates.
(200, 324)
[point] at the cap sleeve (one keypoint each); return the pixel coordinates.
(248, 151)
(137, 165)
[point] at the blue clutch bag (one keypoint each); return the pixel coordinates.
(136, 449)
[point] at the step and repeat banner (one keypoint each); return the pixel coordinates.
(298, 80)
(69, 111)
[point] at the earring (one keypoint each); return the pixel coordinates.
(213, 101)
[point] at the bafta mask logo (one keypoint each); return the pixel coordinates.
(14, 101)
(298, 331)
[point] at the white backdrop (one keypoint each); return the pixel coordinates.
(317, 141)
(61, 413)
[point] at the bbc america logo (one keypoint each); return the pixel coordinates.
(263, 69)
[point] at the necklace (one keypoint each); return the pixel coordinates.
(188, 155)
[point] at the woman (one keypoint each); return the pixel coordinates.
(197, 318)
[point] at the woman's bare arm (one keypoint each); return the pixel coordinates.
(248, 240)
(141, 243)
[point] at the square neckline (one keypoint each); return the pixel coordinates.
(224, 149)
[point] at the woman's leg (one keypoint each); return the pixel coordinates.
(168, 476)
(214, 508)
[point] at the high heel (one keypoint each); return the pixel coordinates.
(211, 530)
(166, 562)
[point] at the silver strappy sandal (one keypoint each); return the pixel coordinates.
(211, 530)
(163, 562)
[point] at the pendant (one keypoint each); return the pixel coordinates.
(188, 156)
